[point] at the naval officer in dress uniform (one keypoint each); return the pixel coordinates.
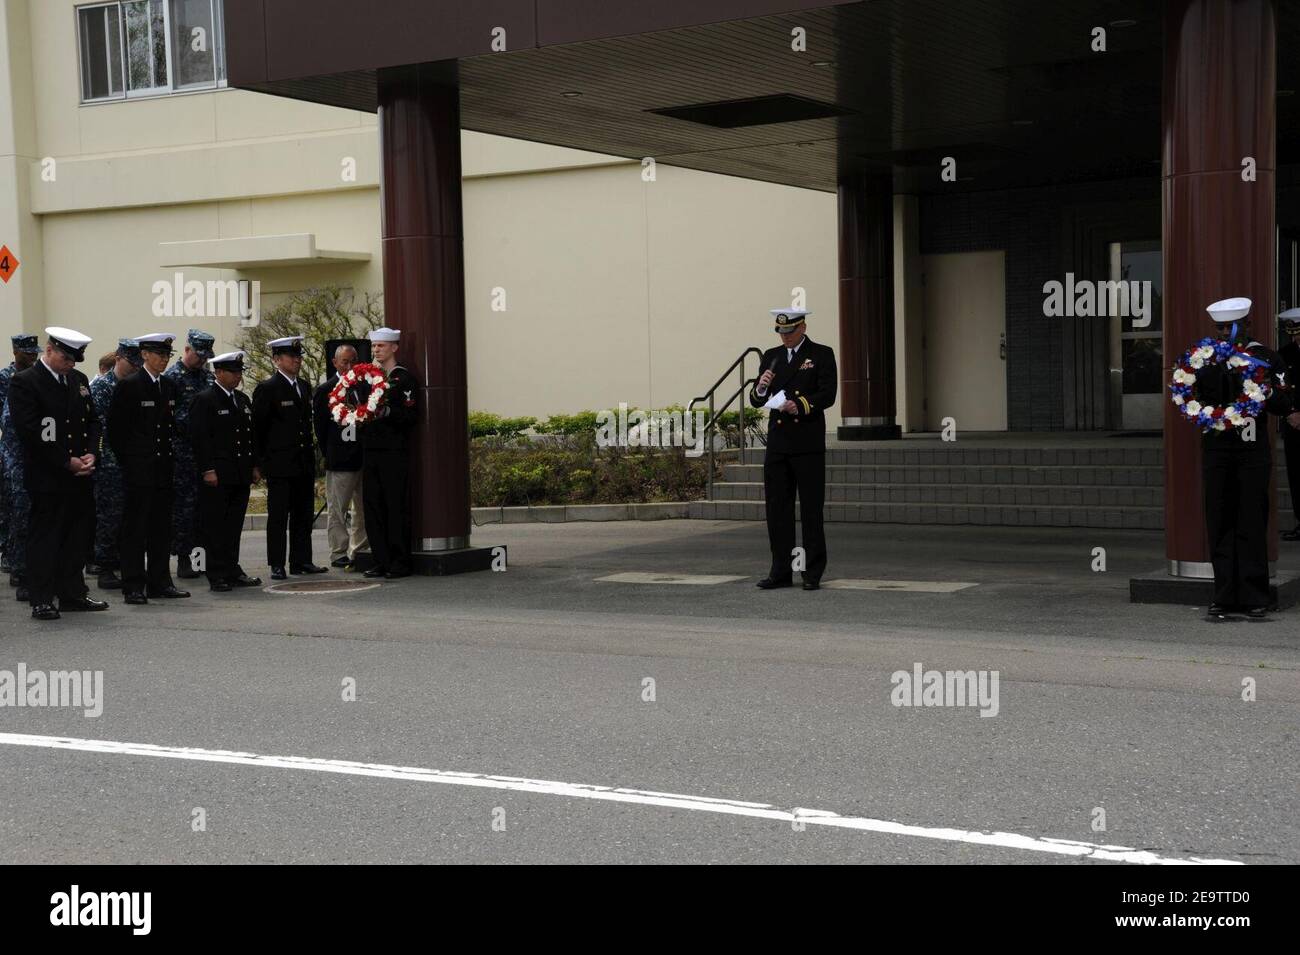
(1290, 355)
(1235, 473)
(140, 426)
(221, 434)
(386, 461)
(52, 413)
(802, 374)
(286, 456)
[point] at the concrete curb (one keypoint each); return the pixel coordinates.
(565, 513)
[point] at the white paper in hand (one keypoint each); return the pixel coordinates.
(776, 401)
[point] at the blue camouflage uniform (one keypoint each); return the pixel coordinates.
(110, 493)
(14, 504)
(185, 482)
(5, 375)
(19, 503)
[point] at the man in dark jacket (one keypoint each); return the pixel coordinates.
(386, 465)
(221, 434)
(52, 413)
(1290, 355)
(140, 425)
(286, 456)
(342, 450)
(798, 383)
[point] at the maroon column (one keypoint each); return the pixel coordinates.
(866, 356)
(424, 289)
(1219, 88)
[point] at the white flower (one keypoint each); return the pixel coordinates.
(1178, 399)
(1193, 407)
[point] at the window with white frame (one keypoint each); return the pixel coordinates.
(150, 48)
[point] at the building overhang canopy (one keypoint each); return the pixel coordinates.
(799, 93)
(252, 252)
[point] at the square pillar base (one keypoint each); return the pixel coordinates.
(440, 563)
(869, 432)
(1160, 588)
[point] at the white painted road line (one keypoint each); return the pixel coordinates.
(757, 810)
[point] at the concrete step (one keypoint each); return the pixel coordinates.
(1149, 518)
(971, 454)
(1072, 475)
(1001, 494)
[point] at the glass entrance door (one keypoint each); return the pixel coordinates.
(1136, 346)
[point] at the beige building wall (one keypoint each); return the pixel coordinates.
(614, 288)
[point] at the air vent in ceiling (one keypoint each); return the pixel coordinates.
(759, 111)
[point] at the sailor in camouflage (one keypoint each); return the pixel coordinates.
(14, 503)
(110, 493)
(190, 376)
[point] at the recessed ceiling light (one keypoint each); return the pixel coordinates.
(1123, 24)
(823, 64)
(569, 94)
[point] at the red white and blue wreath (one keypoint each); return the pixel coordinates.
(1255, 387)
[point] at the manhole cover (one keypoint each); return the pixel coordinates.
(309, 587)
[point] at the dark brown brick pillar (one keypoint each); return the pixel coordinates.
(424, 290)
(1220, 80)
(866, 355)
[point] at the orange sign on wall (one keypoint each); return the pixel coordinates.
(8, 264)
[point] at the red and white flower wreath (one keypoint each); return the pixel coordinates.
(344, 414)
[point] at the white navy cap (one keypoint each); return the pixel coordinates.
(1229, 310)
(71, 343)
(290, 345)
(787, 318)
(386, 335)
(156, 341)
(1291, 316)
(229, 361)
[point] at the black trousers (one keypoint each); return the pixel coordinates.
(290, 506)
(1236, 521)
(56, 547)
(146, 538)
(784, 475)
(1291, 445)
(385, 495)
(221, 523)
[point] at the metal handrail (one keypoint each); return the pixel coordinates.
(710, 425)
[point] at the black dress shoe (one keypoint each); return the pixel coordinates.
(220, 586)
(812, 585)
(1257, 613)
(308, 569)
(772, 583)
(85, 604)
(1292, 535)
(1217, 610)
(184, 569)
(243, 580)
(171, 593)
(374, 572)
(277, 573)
(109, 580)
(135, 597)
(44, 612)
(93, 569)
(341, 562)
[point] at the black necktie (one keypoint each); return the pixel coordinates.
(63, 381)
